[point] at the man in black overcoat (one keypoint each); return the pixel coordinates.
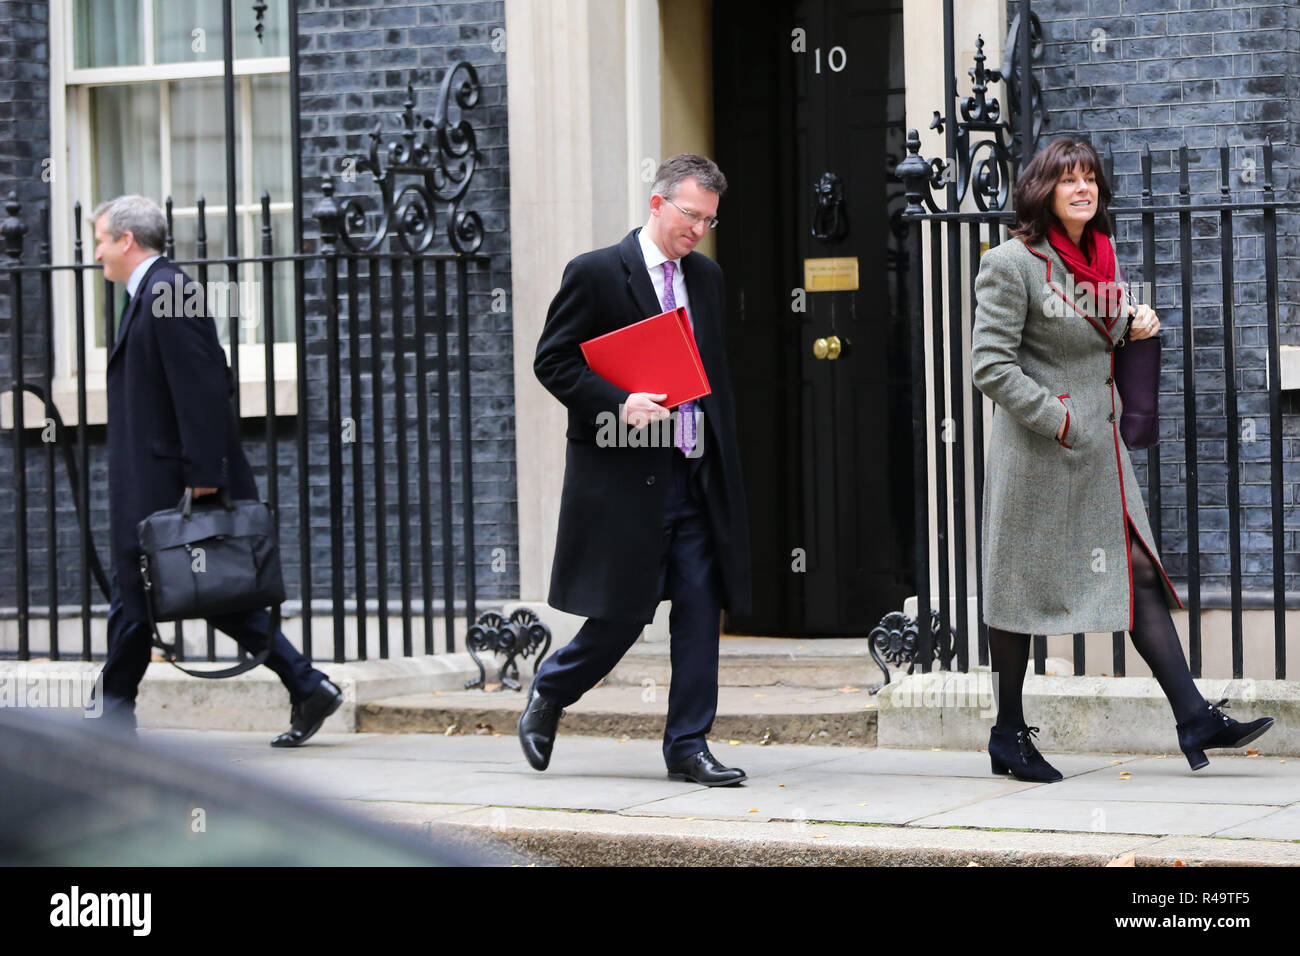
(653, 506)
(171, 427)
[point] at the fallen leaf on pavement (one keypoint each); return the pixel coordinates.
(1125, 859)
(1252, 752)
(848, 689)
(753, 809)
(734, 743)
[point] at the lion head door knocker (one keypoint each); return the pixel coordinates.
(830, 218)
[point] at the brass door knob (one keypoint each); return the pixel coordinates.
(827, 348)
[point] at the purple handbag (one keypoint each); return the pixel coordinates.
(1137, 376)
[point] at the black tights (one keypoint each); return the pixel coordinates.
(1153, 635)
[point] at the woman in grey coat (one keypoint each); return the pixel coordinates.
(1066, 543)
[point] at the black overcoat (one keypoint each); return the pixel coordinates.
(610, 541)
(170, 422)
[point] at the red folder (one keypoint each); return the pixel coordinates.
(656, 355)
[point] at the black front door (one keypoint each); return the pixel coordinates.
(809, 115)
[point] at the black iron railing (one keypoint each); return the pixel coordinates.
(1145, 232)
(982, 151)
(410, 338)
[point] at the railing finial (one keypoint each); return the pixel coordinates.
(13, 228)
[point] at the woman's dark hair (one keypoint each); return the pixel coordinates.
(1037, 184)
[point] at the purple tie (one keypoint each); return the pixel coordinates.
(685, 439)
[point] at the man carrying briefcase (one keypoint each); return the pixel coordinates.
(171, 429)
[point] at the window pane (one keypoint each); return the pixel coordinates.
(187, 31)
(94, 282)
(107, 33)
(185, 232)
(275, 33)
(271, 137)
(125, 152)
(281, 245)
(198, 127)
(251, 277)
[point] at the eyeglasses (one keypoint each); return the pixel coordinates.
(710, 222)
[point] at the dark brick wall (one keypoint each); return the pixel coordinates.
(356, 60)
(24, 144)
(1160, 73)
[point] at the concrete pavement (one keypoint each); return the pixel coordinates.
(608, 800)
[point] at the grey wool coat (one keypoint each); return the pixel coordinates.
(1058, 515)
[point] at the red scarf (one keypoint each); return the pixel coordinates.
(1093, 268)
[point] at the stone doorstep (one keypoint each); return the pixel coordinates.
(952, 711)
(575, 838)
(255, 700)
(772, 715)
(1075, 714)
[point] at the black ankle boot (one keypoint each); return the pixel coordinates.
(1012, 751)
(1212, 728)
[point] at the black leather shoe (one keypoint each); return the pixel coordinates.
(1212, 728)
(704, 768)
(305, 718)
(1011, 750)
(537, 726)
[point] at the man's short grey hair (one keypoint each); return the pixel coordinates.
(674, 170)
(138, 215)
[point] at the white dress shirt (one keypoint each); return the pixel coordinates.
(654, 263)
(137, 274)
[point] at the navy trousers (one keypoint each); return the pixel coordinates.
(689, 578)
(129, 649)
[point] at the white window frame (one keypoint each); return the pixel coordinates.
(71, 180)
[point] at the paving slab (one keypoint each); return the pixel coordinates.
(948, 763)
(480, 783)
(1283, 824)
(801, 795)
(1228, 779)
(1038, 812)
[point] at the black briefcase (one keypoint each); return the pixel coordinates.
(209, 559)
